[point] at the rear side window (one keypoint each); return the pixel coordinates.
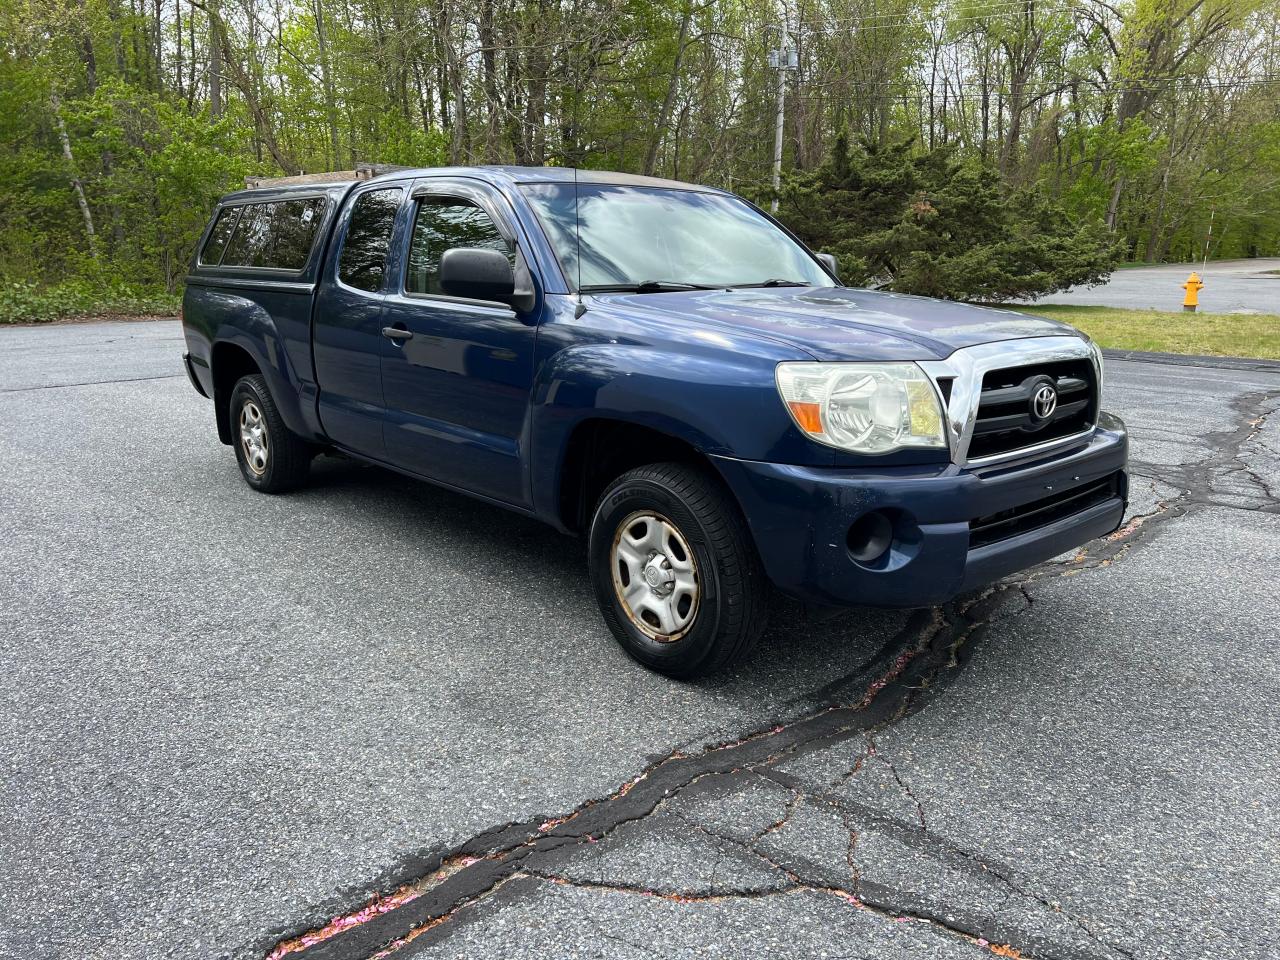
(441, 224)
(276, 235)
(363, 263)
(211, 255)
(251, 240)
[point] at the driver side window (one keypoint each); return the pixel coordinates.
(440, 224)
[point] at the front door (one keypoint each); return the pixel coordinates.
(457, 381)
(347, 338)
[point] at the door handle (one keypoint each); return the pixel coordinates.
(398, 334)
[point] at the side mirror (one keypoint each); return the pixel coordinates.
(476, 273)
(828, 260)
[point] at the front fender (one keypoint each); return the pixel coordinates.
(720, 404)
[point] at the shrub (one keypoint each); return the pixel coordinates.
(26, 302)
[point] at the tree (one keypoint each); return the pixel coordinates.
(931, 224)
(1148, 115)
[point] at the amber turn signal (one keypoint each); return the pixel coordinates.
(807, 415)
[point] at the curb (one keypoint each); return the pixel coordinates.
(1192, 360)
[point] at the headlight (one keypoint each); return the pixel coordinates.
(863, 407)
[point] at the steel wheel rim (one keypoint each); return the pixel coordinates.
(253, 438)
(655, 576)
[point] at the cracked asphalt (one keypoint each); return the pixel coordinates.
(229, 721)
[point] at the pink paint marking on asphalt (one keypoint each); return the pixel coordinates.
(345, 922)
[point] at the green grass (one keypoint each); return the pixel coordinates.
(1209, 334)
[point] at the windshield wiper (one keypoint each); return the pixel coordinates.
(774, 282)
(646, 286)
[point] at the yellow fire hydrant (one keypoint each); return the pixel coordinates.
(1192, 299)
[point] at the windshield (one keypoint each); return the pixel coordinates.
(655, 238)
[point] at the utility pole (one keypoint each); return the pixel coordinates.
(782, 60)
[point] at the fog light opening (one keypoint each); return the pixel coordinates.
(870, 537)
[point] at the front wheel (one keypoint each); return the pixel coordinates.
(271, 458)
(674, 570)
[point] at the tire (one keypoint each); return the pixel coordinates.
(279, 461)
(673, 628)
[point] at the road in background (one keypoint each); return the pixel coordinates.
(1230, 286)
(226, 717)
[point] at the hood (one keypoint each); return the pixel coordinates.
(840, 323)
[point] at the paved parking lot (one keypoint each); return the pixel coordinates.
(228, 719)
(1231, 286)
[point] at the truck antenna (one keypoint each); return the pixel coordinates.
(581, 308)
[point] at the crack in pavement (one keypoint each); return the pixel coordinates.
(432, 890)
(1198, 479)
(906, 788)
(887, 902)
(479, 869)
(939, 848)
(797, 884)
(797, 798)
(89, 383)
(639, 947)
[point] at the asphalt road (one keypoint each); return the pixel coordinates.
(226, 719)
(1231, 286)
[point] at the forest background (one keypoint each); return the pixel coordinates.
(979, 149)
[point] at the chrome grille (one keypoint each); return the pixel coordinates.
(1007, 419)
(986, 381)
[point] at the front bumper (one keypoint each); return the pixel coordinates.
(801, 517)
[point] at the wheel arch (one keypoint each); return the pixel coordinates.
(239, 354)
(599, 449)
(228, 362)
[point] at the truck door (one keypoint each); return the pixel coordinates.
(347, 333)
(457, 379)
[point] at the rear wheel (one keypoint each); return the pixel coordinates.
(674, 570)
(271, 458)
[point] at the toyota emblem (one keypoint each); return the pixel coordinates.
(1044, 401)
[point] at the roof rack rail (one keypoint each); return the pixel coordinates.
(363, 171)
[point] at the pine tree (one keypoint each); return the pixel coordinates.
(930, 224)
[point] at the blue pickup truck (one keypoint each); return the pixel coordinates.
(662, 368)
